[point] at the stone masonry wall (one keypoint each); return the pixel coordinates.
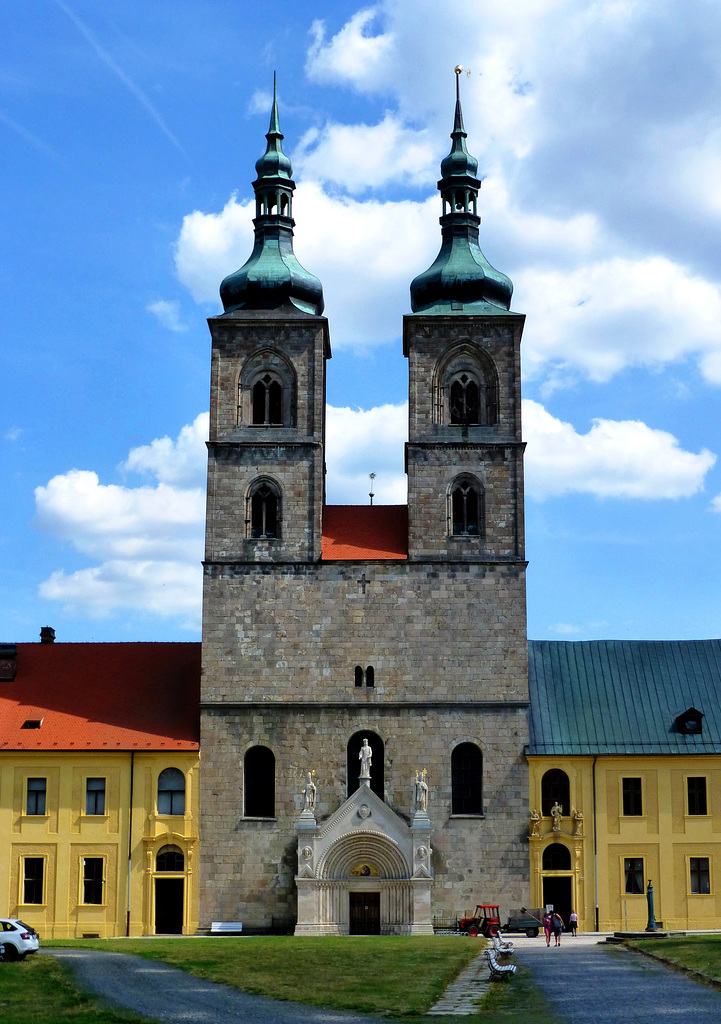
(453, 631)
(248, 865)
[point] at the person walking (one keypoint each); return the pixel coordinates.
(547, 927)
(557, 926)
(573, 922)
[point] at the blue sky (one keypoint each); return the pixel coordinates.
(129, 135)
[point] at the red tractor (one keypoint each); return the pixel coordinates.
(485, 921)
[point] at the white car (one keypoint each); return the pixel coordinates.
(17, 938)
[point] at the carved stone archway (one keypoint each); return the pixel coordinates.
(365, 847)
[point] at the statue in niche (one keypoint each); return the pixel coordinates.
(577, 822)
(364, 756)
(557, 815)
(421, 792)
(309, 794)
(535, 823)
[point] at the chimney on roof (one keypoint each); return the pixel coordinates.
(47, 635)
(8, 662)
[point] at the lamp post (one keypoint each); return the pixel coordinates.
(651, 926)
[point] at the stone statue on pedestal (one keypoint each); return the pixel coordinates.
(309, 795)
(556, 814)
(421, 792)
(364, 755)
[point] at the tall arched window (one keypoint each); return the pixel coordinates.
(171, 792)
(264, 512)
(354, 762)
(259, 783)
(555, 790)
(170, 858)
(466, 508)
(466, 779)
(556, 857)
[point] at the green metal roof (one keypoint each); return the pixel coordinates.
(623, 696)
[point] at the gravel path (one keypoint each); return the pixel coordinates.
(168, 994)
(601, 984)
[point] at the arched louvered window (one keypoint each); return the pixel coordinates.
(267, 401)
(555, 790)
(259, 783)
(467, 779)
(264, 512)
(170, 858)
(171, 792)
(464, 400)
(466, 508)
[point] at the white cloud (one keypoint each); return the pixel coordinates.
(360, 156)
(213, 245)
(363, 441)
(13, 434)
(353, 54)
(168, 313)
(361, 251)
(608, 315)
(615, 459)
(180, 463)
(162, 589)
(148, 539)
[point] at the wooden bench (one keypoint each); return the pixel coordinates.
(503, 947)
(226, 928)
(503, 971)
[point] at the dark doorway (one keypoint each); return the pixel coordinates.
(376, 745)
(365, 913)
(558, 892)
(169, 893)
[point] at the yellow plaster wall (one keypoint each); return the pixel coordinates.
(65, 835)
(665, 836)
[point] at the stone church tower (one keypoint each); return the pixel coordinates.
(329, 630)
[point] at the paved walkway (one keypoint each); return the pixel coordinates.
(603, 984)
(168, 994)
(462, 995)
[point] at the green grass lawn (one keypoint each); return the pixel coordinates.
(399, 977)
(697, 952)
(41, 991)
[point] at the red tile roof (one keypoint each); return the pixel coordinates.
(123, 696)
(364, 531)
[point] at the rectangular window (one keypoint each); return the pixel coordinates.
(95, 796)
(37, 789)
(699, 875)
(633, 871)
(33, 871)
(632, 803)
(696, 794)
(93, 880)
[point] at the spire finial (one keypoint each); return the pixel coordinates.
(273, 277)
(461, 279)
(274, 128)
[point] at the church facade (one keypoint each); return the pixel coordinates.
(327, 629)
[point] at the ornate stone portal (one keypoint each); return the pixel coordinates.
(364, 848)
